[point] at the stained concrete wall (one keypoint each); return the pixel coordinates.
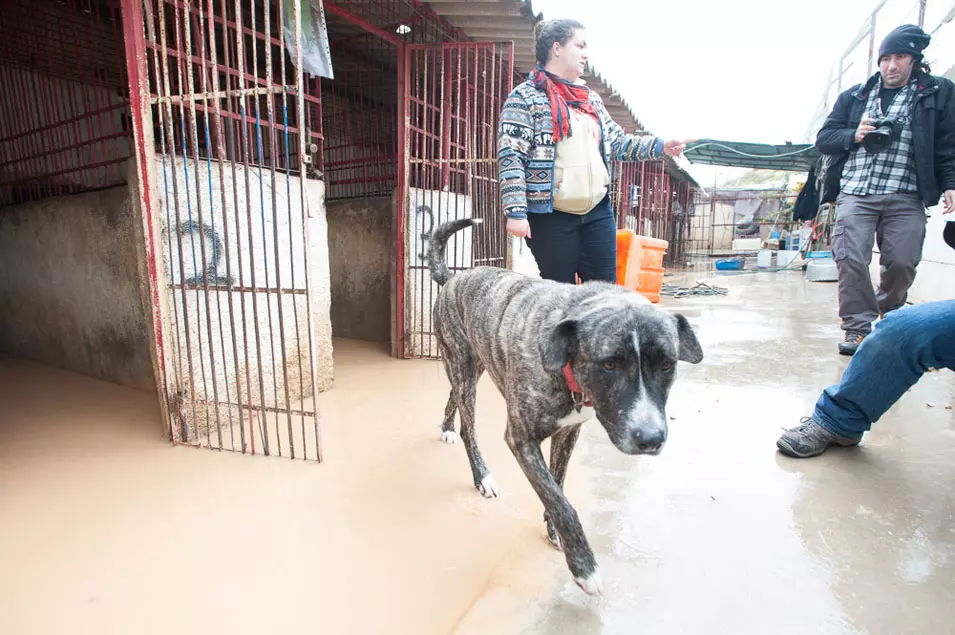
(70, 288)
(361, 250)
(221, 337)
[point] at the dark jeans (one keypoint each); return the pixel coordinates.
(904, 345)
(565, 245)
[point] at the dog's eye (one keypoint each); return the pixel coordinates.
(610, 366)
(667, 366)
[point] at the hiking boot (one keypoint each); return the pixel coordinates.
(811, 439)
(853, 339)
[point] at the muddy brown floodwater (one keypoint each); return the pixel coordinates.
(107, 529)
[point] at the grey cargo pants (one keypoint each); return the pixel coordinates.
(898, 221)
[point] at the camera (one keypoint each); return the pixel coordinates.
(886, 131)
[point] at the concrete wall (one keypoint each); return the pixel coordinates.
(361, 249)
(70, 287)
(219, 337)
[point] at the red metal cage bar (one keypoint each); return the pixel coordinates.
(452, 98)
(641, 196)
(244, 82)
(361, 103)
(237, 130)
(64, 104)
(360, 114)
(399, 21)
(651, 203)
(678, 233)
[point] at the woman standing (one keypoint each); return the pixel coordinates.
(555, 144)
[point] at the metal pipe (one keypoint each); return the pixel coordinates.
(138, 87)
(170, 146)
(308, 297)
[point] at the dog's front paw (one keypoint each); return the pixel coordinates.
(450, 437)
(488, 487)
(592, 584)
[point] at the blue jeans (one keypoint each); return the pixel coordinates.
(891, 360)
(565, 245)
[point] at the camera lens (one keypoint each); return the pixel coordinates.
(876, 141)
(880, 138)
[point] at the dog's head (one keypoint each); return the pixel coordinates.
(623, 353)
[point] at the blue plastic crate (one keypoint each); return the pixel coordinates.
(730, 264)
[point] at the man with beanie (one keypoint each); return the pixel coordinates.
(882, 192)
(903, 346)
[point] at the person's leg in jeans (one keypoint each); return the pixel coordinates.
(852, 241)
(901, 234)
(598, 244)
(903, 346)
(555, 244)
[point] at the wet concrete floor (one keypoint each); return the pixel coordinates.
(105, 528)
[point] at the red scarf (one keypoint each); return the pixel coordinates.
(563, 96)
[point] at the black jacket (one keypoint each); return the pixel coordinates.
(807, 203)
(933, 129)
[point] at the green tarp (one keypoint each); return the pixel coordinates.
(761, 156)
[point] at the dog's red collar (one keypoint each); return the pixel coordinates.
(572, 384)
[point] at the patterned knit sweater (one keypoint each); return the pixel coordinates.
(526, 150)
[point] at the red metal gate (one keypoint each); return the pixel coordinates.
(450, 102)
(231, 188)
(641, 192)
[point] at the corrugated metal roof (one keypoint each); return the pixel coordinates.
(759, 156)
(514, 20)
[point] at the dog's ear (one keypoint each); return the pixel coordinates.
(690, 349)
(557, 344)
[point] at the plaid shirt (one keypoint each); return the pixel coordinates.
(892, 170)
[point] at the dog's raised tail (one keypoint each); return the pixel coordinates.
(438, 247)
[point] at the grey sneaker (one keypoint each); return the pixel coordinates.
(811, 439)
(851, 343)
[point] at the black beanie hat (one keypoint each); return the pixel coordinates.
(906, 39)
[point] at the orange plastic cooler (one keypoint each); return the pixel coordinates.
(640, 263)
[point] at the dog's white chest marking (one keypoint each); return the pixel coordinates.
(586, 413)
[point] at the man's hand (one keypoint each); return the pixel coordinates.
(865, 127)
(519, 227)
(675, 147)
(948, 201)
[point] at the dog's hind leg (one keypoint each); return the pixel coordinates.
(448, 435)
(463, 373)
(561, 447)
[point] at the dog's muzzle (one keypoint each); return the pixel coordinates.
(644, 434)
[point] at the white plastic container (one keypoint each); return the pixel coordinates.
(821, 270)
(785, 258)
(747, 244)
(764, 259)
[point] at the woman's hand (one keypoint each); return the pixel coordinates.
(675, 147)
(519, 227)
